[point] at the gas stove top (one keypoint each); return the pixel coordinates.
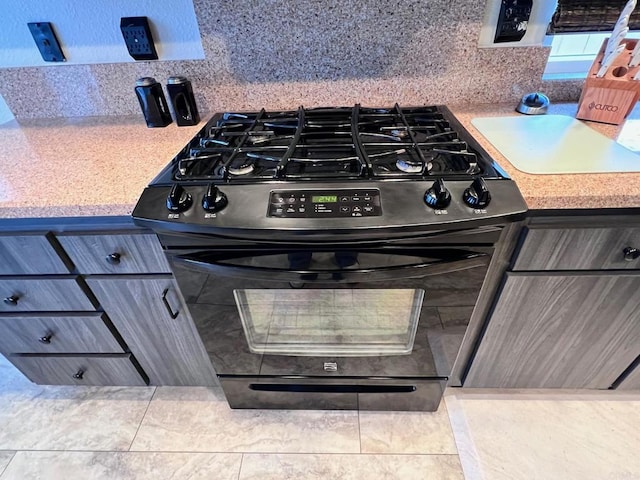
(329, 143)
(332, 169)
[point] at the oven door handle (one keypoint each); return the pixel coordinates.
(465, 261)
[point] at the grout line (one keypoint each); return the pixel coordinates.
(8, 463)
(230, 452)
(359, 433)
(465, 445)
(155, 389)
(240, 469)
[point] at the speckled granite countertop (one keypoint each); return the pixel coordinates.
(81, 166)
(99, 166)
(605, 190)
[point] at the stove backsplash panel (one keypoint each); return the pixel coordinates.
(282, 53)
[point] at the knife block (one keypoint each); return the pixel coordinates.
(611, 98)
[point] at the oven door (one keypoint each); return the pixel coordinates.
(332, 311)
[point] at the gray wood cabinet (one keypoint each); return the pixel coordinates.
(632, 382)
(62, 333)
(29, 255)
(567, 313)
(115, 253)
(578, 249)
(557, 330)
(20, 294)
(78, 370)
(49, 324)
(151, 317)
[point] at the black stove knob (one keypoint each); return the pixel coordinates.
(214, 200)
(437, 196)
(477, 195)
(178, 200)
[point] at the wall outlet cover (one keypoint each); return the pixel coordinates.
(46, 41)
(137, 35)
(513, 20)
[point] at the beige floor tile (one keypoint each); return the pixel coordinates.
(199, 419)
(73, 418)
(123, 466)
(350, 467)
(506, 436)
(34, 417)
(407, 432)
(5, 458)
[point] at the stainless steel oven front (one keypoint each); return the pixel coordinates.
(371, 326)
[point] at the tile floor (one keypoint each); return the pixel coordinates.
(69, 433)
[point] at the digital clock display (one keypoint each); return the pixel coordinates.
(324, 199)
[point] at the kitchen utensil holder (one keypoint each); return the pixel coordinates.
(611, 98)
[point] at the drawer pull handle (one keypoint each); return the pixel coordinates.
(113, 258)
(631, 253)
(168, 307)
(12, 300)
(78, 375)
(46, 339)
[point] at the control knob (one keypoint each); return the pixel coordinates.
(437, 196)
(477, 195)
(214, 200)
(178, 200)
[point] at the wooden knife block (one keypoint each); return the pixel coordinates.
(611, 98)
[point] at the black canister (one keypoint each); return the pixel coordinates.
(153, 103)
(182, 101)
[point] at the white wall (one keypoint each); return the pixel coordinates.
(5, 112)
(89, 32)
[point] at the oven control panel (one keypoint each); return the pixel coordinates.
(324, 203)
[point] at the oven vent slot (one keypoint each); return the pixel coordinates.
(276, 387)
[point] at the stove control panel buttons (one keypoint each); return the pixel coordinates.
(477, 195)
(324, 203)
(437, 197)
(178, 199)
(214, 200)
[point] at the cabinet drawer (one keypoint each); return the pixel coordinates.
(29, 255)
(79, 370)
(65, 333)
(579, 249)
(131, 253)
(50, 294)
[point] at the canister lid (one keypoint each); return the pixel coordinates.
(145, 81)
(177, 80)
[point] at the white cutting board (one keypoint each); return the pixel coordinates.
(551, 144)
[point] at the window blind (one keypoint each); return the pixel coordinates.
(574, 16)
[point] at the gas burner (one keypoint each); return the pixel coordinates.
(245, 168)
(400, 133)
(408, 167)
(258, 139)
(330, 143)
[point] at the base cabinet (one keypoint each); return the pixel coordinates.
(632, 381)
(559, 330)
(151, 317)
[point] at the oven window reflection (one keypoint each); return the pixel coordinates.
(330, 322)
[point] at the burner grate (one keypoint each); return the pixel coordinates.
(354, 142)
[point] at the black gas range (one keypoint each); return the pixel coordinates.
(351, 168)
(331, 258)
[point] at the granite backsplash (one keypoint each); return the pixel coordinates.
(279, 54)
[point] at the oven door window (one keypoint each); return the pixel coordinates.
(330, 322)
